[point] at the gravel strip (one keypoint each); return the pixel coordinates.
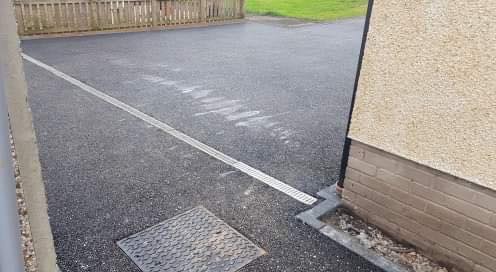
(26, 238)
(371, 237)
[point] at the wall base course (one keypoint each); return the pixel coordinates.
(449, 219)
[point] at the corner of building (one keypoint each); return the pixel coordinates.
(415, 162)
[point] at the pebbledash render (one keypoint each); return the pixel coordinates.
(422, 139)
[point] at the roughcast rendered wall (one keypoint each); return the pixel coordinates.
(427, 89)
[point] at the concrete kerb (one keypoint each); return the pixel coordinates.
(331, 203)
(25, 142)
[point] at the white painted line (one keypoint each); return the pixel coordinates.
(300, 25)
(257, 174)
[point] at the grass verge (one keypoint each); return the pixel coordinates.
(318, 10)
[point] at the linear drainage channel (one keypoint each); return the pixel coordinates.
(193, 241)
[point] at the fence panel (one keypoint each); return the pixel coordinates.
(35, 17)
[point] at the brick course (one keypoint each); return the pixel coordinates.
(451, 220)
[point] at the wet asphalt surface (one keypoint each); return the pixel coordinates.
(271, 96)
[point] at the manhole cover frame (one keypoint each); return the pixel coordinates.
(145, 268)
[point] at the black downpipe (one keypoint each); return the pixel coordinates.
(347, 142)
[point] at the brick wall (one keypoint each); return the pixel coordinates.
(449, 219)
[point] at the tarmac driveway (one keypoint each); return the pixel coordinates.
(273, 97)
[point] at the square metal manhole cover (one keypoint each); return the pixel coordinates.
(193, 241)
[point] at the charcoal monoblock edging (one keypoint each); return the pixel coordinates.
(331, 203)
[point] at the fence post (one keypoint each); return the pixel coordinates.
(203, 11)
(154, 12)
(93, 15)
(242, 8)
(10, 246)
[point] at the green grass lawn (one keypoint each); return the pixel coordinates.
(321, 10)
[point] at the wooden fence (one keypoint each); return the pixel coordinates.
(62, 16)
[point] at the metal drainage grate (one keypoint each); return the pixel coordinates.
(193, 241)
